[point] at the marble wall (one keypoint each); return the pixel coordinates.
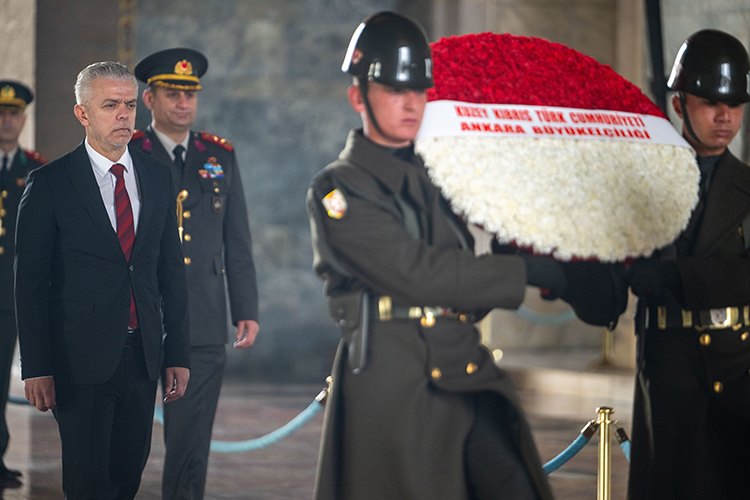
(18, 31)
(275, 89)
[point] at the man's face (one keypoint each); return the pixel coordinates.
(715, 123)
(109, 115)
(398, 113)
(12, 119)
(173, 110)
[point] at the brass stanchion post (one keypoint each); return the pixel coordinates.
(604, 476)
(608, 342)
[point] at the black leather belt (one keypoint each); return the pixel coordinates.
(133, 338)
(427, 316)
(707, 319)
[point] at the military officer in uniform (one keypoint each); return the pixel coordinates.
(217, 247)
(16, 164)
(691, 417)
(417, 407)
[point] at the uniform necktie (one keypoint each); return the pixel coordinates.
(178, 161)
(4, 172)
(125, 228)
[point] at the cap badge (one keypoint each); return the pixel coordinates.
(183, 67)
(335, 204)
(7, 92)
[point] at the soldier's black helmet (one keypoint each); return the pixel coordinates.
(390, 49)
(713, 65)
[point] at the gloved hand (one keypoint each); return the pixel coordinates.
(597, 292)
(545, 273)
(655, 279)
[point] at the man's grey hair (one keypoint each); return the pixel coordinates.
(107, 70)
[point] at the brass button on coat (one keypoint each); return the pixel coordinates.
(718, 387)
(436, 373)
(471, 368)
(187, 260)
(186, 214)
(744, 336)
(428, 320)
(705, 339)
(187, 237)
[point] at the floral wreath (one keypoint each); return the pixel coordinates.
(552, 151)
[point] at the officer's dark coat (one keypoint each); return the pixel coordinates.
(396, 430)
(678, 449)
(23, 162)
(216, 235)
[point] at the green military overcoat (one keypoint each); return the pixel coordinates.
(396, 430)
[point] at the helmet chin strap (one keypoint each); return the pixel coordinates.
(686, 118)
(363, 88)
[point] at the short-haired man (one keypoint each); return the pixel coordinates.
(100, 292)
(691, 418)
(16, 165)
(217, 247)
(418, 408)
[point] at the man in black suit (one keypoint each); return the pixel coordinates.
(691, 414)
(15, 164)
(101, 292)
(217, 248)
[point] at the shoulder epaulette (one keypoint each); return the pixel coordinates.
(146, 144)
(33, 155)
(217, 140)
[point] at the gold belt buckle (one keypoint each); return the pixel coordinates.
(725, 317)
(661, 317)
(385, 308)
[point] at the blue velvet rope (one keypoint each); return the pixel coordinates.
(568, 453)
(625, 447)
(16, 400)
(263, 441)
(545, 319)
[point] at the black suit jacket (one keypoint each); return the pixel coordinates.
(216, 232)
(73, 282)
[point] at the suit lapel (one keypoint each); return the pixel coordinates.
(81, 174)
(727, 205)
(158, 152)
(146, 187)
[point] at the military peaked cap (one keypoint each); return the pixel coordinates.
(178, 68)
(15, 94)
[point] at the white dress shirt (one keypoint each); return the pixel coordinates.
(169, 144)
(106, 181)
(10, 156)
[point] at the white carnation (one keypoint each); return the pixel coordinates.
(604, 199)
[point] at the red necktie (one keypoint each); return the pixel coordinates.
(125, 228)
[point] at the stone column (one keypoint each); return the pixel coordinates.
(18, 32)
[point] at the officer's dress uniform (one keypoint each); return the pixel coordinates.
(216, 244)
(399, 427)
(691, 420)
(12, 185)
